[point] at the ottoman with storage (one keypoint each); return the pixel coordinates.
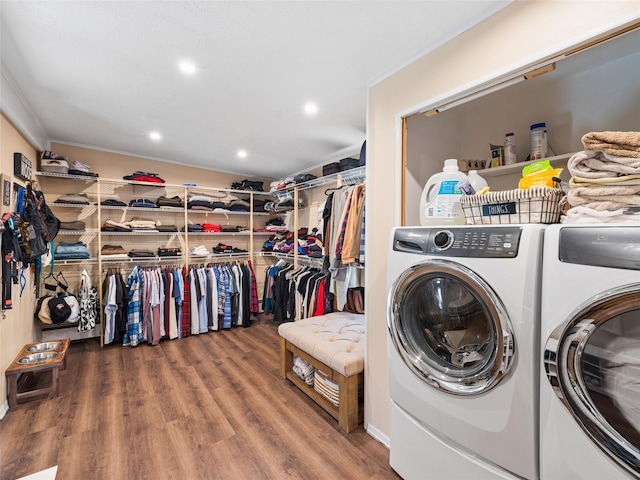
(334, 345)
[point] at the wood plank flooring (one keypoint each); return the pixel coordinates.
(205, 407)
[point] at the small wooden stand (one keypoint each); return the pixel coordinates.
(17, 370)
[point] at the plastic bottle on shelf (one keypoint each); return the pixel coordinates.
(476, 181)
(440, 200)
(538, 141)
(509, 149)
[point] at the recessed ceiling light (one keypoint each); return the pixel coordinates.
(155, 136)
(187, 67)
(311, 108)
(242, 154)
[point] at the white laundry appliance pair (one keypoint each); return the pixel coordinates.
(464, 351)
(590, 385)
(507, 363)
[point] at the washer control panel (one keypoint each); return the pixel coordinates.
(478, 242)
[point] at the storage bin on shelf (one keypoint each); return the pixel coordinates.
(534, 205)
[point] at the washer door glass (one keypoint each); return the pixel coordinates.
(450, 328)
(593, 364)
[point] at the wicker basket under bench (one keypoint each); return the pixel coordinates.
(334, 345)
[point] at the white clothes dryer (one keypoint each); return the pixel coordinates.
(590, 385)
(463, 343)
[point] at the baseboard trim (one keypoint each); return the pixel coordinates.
(4, 409)
(378, 435)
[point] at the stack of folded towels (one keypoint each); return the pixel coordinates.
(605, 182)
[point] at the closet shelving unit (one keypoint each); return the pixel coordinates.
(337, 180)
(100, 189)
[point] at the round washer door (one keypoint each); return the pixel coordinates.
(593, 364)
(450, 328)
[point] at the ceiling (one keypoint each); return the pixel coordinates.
(104, 74)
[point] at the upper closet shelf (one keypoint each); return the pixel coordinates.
(348, 176)
(557, 161)
(84, 178)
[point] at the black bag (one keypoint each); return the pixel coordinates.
(39, 225)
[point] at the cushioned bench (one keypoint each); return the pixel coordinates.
(334, 345)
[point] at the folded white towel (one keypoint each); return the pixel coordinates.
(608, 197)
(596, 164)
(586, 215)
(576, 182)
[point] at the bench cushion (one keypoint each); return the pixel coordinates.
(336, 339)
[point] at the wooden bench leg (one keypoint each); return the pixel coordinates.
(348, 406)
(286, 358)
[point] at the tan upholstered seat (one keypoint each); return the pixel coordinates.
(337, 339)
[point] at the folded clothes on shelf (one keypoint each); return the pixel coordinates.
(136, 253)
(166, 228)
(199, 251)
(71, 251)
(113, 226)
(142, 224)
(222, 248)
(142, 203)
(248, 185)
(211, 228)
(79, 166)
(112, 203)
(77, 225)
(112, 250)
(170, 202)
(169, 252)
(239, 205)
(73, 198)
(139, 176)
(193, 227)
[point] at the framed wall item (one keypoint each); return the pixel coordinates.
(5, 184)
(22, 166)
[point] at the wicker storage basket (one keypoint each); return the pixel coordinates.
(534, 205)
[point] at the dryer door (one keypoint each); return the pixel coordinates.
(593, 364)
(450, 328)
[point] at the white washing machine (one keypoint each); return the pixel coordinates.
(464, 351)
(590, 383)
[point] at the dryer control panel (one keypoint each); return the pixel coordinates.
(477, 242)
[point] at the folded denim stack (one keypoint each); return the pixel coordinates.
(193, 227)
(71, 251)
(73, 199)
(142, 203)
(77, 225)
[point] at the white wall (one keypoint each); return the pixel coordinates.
(516, 37)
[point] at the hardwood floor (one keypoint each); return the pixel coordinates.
(205, 407)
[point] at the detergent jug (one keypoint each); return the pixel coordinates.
(440, 201)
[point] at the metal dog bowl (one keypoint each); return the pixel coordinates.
(35, 358)
(44, 346)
